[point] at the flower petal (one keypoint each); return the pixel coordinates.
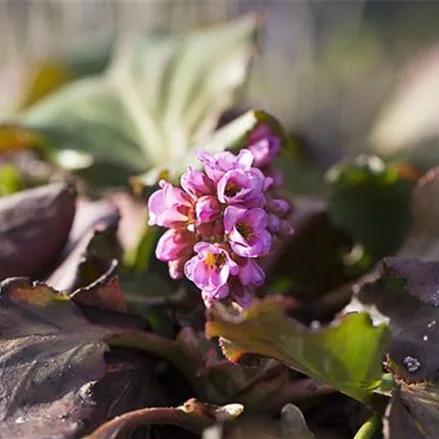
(174, 244)
(196, 183)
(207, 209)
(232, 215)
(257, 218)
(156, 205)
(250, 273)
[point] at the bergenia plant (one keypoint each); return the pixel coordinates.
(223, 219)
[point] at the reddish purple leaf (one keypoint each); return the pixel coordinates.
(35, 226)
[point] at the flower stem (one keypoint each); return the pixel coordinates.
(369, 428)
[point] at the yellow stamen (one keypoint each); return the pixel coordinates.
(214, 261)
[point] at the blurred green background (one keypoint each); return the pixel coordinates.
(332, 72)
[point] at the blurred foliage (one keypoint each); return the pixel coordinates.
(312, 261)
(423, 239)
(371, 201)
(159, 97)
(10, 180)
(319, 76)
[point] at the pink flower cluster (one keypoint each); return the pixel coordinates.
(222, 219)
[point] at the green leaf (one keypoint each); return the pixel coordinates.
(11, 180)
(370, 200)
(159, 97)
(352, 364)
(87, 116)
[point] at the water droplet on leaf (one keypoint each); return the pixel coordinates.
(412, 364)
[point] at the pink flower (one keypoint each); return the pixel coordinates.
(276, 176)
(240, 293)
(216, 166)
(250, 273)
(169, 206)
(264, 145)
(246, 231)
(210, 297)
(176, 267)
(222, 221)
(259, 132)
(196, 183)
(273, 223)
(239, 186)
(279, 207)
(210, 269)
(175, 243)
(207, 209)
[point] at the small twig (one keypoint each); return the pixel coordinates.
(369, 428)
(120, 425)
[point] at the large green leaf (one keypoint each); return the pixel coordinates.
(159, 97)
(346, 355)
